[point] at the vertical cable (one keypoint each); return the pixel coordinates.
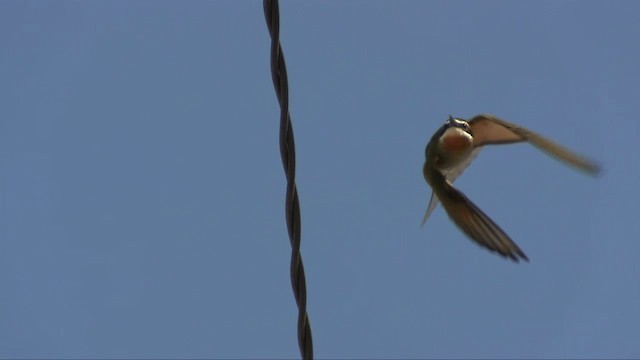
(288, 153)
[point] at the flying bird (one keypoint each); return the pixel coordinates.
(453, 147)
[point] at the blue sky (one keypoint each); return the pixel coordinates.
(142, 191)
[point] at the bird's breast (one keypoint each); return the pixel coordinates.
(454, 146)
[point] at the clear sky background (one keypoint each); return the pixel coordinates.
(142, 191)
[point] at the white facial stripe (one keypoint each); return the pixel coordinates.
(460, 122)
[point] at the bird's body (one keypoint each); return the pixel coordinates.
(453, 147)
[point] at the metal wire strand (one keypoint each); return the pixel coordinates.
(288, 153)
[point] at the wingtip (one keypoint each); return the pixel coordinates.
(594, 170)
(517, 257)
(521, 255)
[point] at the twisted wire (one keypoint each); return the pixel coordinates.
(288, 153)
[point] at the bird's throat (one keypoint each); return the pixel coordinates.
(455, 140)
(455, 145)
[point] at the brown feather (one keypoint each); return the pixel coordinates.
(478, 226)
(488, 129)
(470, 219)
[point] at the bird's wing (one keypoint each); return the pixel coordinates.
(488, 129)
(451, 175)
(476, 224)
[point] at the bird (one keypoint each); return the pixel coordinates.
(450, 151)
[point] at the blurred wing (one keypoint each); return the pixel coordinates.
(488, 129)
(451, 175)
(477, 225)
